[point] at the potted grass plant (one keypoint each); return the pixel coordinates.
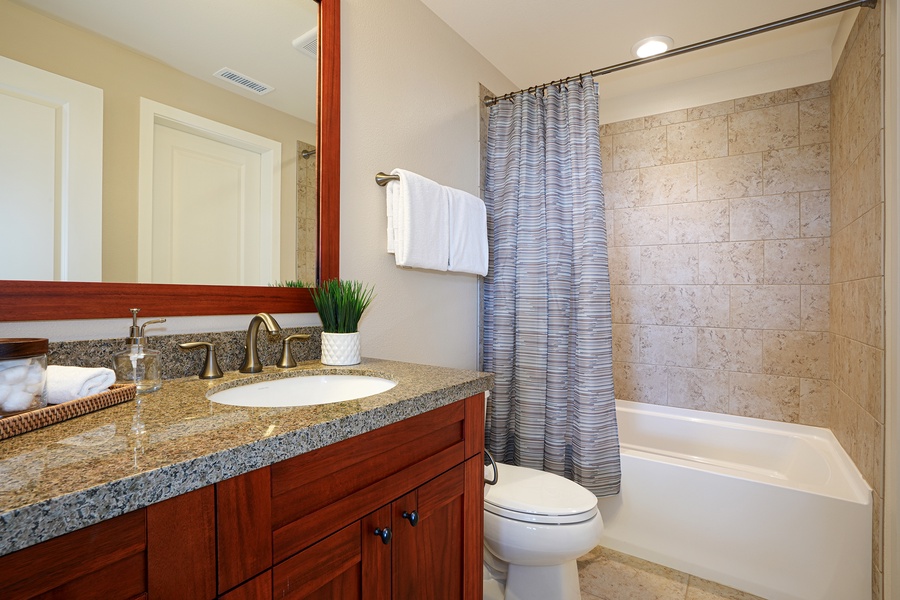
(340, 305)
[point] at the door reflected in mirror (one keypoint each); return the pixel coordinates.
(165, 52)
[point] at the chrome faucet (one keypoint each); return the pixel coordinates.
(252, 363)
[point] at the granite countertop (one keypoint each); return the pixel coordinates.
(73, 474)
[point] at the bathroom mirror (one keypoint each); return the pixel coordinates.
(41, 300)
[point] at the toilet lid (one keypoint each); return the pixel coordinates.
(535, 496)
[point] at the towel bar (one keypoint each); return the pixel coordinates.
(383, 178)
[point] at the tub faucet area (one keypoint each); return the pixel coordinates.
(252, 364)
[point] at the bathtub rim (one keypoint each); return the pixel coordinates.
(857, 488)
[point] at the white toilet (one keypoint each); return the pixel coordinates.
(536, 525)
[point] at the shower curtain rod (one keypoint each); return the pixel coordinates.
(814, 14)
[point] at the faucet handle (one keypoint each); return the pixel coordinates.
(287, 357)
(211, 368)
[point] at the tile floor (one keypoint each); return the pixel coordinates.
(609, 575)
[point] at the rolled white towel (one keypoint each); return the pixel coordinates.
(69, 383)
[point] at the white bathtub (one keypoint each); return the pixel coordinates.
(774, 509)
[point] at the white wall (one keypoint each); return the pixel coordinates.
(409, 100)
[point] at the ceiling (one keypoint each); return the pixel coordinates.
(537, 41)
(199, 37)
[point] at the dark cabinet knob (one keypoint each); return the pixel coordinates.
(384, 534)
(412, 517)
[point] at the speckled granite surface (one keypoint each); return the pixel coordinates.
(176, 362)
(73, 474)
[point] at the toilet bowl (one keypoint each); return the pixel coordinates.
(536, 525)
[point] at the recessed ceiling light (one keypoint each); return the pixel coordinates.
(652, 46)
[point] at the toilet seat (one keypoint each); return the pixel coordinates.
(534, 496)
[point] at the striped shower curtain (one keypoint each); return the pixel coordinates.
(547, 321)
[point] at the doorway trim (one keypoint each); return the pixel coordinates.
(78, 164)
(153, 113)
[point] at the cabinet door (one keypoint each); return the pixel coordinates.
(428, 555)
(376, 555)
(405, 547)
(352, 564)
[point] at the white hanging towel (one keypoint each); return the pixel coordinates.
(468, 233)
(393, 188)
(419, 213)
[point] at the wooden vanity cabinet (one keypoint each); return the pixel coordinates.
(324, 507)
(301, 528)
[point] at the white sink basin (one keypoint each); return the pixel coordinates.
(307, 390)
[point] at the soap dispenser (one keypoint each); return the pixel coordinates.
(137, 363)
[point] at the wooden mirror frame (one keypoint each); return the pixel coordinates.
(56, 300)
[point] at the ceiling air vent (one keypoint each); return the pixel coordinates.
(242, 80)
(308, 43)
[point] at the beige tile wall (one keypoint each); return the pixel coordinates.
(718, 223)
(307, 217)
(857, 262)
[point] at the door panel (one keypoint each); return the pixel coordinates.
(440, 536)
(428, 558)
(376, 555)
(51, 173)
(206, 195)
(405, 552)
(219, 187)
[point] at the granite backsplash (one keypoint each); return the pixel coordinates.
(182, 363)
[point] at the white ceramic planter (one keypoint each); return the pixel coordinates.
(340, 348)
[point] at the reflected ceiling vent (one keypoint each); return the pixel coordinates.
(308, 43)
(243, 81)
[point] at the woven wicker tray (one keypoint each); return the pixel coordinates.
(35, 419)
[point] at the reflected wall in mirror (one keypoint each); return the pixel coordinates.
(60, 300)
(161, 210)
